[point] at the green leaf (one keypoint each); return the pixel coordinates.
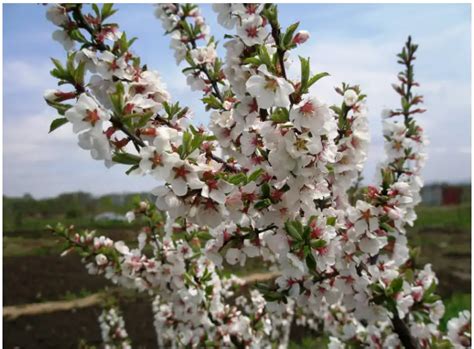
(252, 60)
(265, 190)
(57, 123)
(189, 69)
(189, 279)
(430, 290)
(209, 289)
(60, 72)
(294, 229)
(204, 235)
(262, 204)
(60, 107)
(273, 296)
(212, 102)
(441, 344)
(126, 158)
(316, 77)
(143, 119)
(79, 73)
(311, 262)
(306, 251)
(107, 10)
(305, 70)
(391, 305)
(377, 289)
(265, 57)
(306, 232)
(254, 175)
(395, 286)
(409, 275)
(318, 243)
(262, 287)
(431, 298)
(75, 34)
(280, 115)
(237, 179)
(131, 169)
(196, 142)
(117, 98)
(70, 62)
(58, 65)
(96, 10)
(288, 37)
(186, 145)
(331, 221)
(386, 227)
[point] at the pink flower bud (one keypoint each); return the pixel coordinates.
(58, 96)
(199, 21)
(301, 37)
(143, 205)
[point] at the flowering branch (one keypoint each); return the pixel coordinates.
(269, 180)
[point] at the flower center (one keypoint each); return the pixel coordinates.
(277, 195)
(113, 66)
(252, 31)
(139, 89)
(181, 172)
(251, 9)
(397, 145)
(323, 250)
(210, 205)
(212, 184)
(316, 233)
(271, 84)
(300, 144)
(156, 160)
(307, 109)
(92, 116)
(366, 215)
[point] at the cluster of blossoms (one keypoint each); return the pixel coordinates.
(459, 330)
(112, 328)
(270, 180)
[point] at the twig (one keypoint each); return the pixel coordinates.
(401, 329)
(228, 166)
(118, 124)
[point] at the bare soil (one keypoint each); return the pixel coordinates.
(33, 279)
(66, 329)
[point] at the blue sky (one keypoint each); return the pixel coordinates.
(355, 43)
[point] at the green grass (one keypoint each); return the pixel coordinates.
(19, 246)
(453, 305)
(309, 343)
(38, 225)
(443, 217)
(70, 296)
(443, 235)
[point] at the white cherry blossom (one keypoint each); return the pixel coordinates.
(269, 90)
(86, 114)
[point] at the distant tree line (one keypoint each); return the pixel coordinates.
(71, 206)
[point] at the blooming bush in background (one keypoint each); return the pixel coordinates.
(271, 179)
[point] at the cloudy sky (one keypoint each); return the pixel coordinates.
(355, 43)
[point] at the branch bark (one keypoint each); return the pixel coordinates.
(403, 332)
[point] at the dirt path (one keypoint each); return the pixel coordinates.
(14, 311)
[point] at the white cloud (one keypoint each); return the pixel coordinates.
(48, 164)
(373, 66)
(22, 75)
